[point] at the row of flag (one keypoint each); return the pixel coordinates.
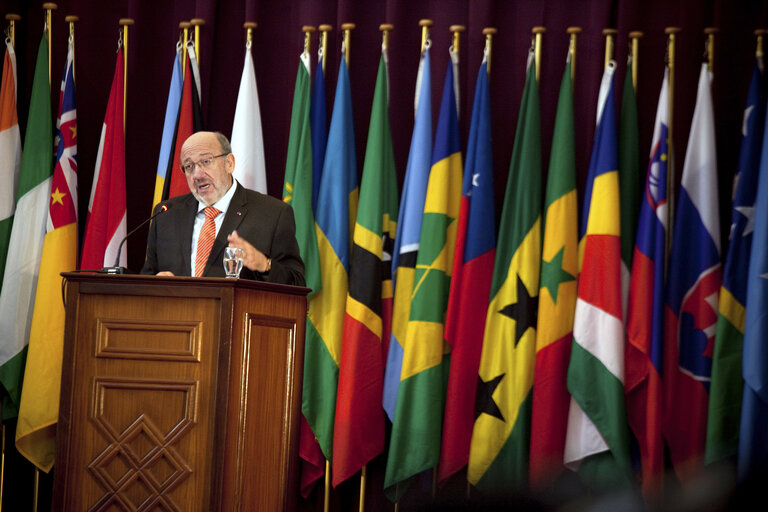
(591, 342)
(39, 226)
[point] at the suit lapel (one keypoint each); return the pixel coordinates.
(232, 219)
(188, 226)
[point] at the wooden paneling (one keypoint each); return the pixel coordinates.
(179, 395)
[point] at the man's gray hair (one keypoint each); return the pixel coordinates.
(226, 147)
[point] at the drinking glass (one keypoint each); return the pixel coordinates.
(233, 261)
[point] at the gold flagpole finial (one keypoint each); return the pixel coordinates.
(710, 33)
(347, 28)
(759, 35)
(324, 29)
(573, 34)
(71, 20)
(184, 26)
(425, 25)
(249, 27)
(385, 29)
(634, 37)
(538, 34)
(12, 19)
(671, 33)
(610, 35)
(308, 30)
(456, 30)
(197, 23)
(125, 23)
(488, 32)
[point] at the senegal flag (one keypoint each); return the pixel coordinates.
(498, 454)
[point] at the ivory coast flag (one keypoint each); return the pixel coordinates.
(25, 246)
(597, 441)
(337, 204)
(498, 453)
(557, 297)
(415, 441)
(36, 429)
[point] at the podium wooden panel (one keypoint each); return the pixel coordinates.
(179, 394)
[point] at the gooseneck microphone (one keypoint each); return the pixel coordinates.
(116, 268)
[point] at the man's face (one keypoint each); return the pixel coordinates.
(208, 185)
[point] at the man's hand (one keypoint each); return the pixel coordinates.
(165, 273)
(254, 259)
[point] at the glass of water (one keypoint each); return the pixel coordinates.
(233, 261)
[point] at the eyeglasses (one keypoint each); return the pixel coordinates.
(203, 163)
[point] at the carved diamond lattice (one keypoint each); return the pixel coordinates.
(140, 465)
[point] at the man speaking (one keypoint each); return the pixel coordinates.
(189, 238)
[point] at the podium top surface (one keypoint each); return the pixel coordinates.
(175, 281)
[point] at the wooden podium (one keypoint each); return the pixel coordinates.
(179, 394)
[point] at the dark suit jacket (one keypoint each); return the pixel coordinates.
(267, 223)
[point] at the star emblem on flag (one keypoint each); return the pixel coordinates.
(484, 402)
(523, 312)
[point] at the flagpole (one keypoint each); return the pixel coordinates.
(347, 29)
(634, 38)
(12, 19)
(538, 34)
(609, 34)
(197, 23)
(72, 20)
(184, 26)
(125, 23)
(49, 7)
(425, 25)
(488, 32)
(671, 37)
(308, 31)
(710, 32)
(573, 32)
(324, 29)
(327, 494)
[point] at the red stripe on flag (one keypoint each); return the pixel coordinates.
(549, 417)
(358, 432)
(602, 264)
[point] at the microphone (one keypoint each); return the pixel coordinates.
(116, 268)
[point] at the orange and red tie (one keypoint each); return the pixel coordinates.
(205, 240)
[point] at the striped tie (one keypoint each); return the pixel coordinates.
(205, 240)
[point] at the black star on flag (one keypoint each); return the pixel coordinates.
(523, 312)
(484, 402)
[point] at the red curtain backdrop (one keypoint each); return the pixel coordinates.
(278, 41)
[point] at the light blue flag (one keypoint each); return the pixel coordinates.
(169, 128)
(409, 230)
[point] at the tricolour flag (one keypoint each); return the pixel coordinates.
(693, 286)
(10, 152)
(337, 203)
(169, 130)
(247, 139)
(319, 127)
(415, 442)
(597, 439)
(358, 433)
(557, 297)
(499, 452)
(409, 231)
(10, 161)
(189, 121)
(36, 428)
(106, 223)
(25, 246)
(726, 388)
(645, 310)
(470, 284)
(753, 434)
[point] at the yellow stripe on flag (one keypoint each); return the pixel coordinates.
(364, 315)
(732, 309)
